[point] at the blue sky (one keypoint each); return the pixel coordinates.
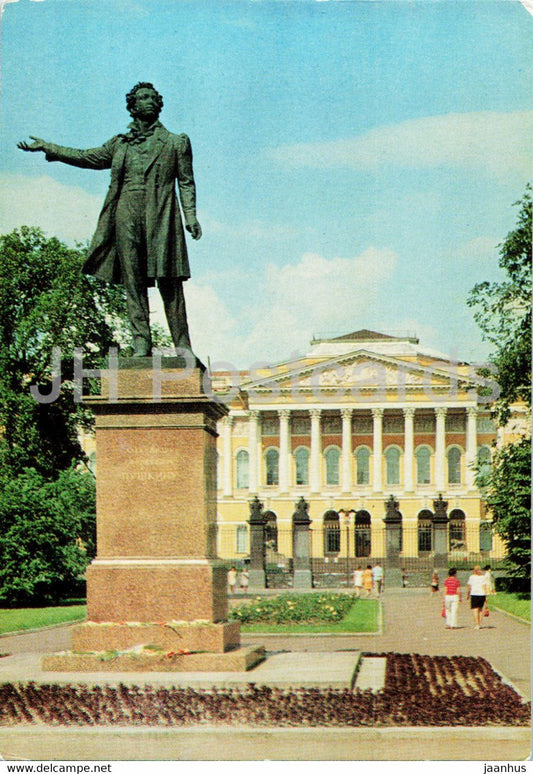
(356, 162)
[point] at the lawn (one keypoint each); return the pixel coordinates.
(518, 604)
(308, 614)
(21, 619)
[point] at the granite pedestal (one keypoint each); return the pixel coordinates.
(156, 580)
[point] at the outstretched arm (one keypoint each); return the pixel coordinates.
(36, 145)
(93, 158)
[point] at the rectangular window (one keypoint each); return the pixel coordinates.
(485, 536)
(332, 540)
(301, 425)
(242, 540)
(424, 536)
(269, 426)
(302, 467)
(362, 540)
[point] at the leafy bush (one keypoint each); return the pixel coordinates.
(47, 535)
(294, 608)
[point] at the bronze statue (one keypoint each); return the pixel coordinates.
(139, 238)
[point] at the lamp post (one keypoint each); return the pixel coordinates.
(347, 514)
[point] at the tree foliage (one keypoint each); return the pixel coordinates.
(46, 302)
(47, 505)
(503, 312)
(508, 497)
(47, 530)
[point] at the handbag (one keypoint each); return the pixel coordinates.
(443, 611)
(486, 612)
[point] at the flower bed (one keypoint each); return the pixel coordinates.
(294, 608)
(419, 691)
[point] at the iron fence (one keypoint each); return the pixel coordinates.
(335, 552)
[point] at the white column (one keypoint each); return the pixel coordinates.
(377, 454)
(408, 453)
(284, 458)
(471, 445)
(440, 449)
(227, 466)
(346, 414)
(253, 457)
(316, 448)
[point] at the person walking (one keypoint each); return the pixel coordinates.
(232, 579)
(490, 587)
(477, 593)
(367, 580)
(377, 578)
(358, 581)
(434, 585)
(244, 581)
(452, 597)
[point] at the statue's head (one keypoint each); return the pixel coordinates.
(131, 98)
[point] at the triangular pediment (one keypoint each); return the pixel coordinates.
(363, 370)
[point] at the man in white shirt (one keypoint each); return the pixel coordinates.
(377, 578)
(477, 593)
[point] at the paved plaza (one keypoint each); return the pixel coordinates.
(411, 623)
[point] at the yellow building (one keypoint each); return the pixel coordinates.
(360, 418)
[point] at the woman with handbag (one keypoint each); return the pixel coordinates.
(452, 597)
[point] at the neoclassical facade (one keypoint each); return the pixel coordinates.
(358, 419)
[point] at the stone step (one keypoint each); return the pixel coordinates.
(371, 674)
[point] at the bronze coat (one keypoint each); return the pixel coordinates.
(170, 160)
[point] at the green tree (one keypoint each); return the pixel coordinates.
(508, 497)
(47, 504)
(47, 530)
(503, 312)
(46, 302)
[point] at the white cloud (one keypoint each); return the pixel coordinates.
(499, 143)
(60, 210)
(212, 325)
(287, 305)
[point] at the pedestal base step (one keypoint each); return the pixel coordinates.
(168, 635)
(146, 660)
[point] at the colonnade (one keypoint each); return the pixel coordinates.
(346, 483)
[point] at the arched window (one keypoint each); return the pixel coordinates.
(363, 534)
(454, 465)
(301, 458)
(332, 533)
(272, 467)
(242, 539)
(271, 531)
(242, 469)
(485, 536)
(423, 465)
(425, 529)
(362, 460)
(392, 462)
(332, 456)
(457, 532)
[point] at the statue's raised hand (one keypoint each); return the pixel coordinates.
(36, 145)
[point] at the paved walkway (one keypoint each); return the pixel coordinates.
(412, 623)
